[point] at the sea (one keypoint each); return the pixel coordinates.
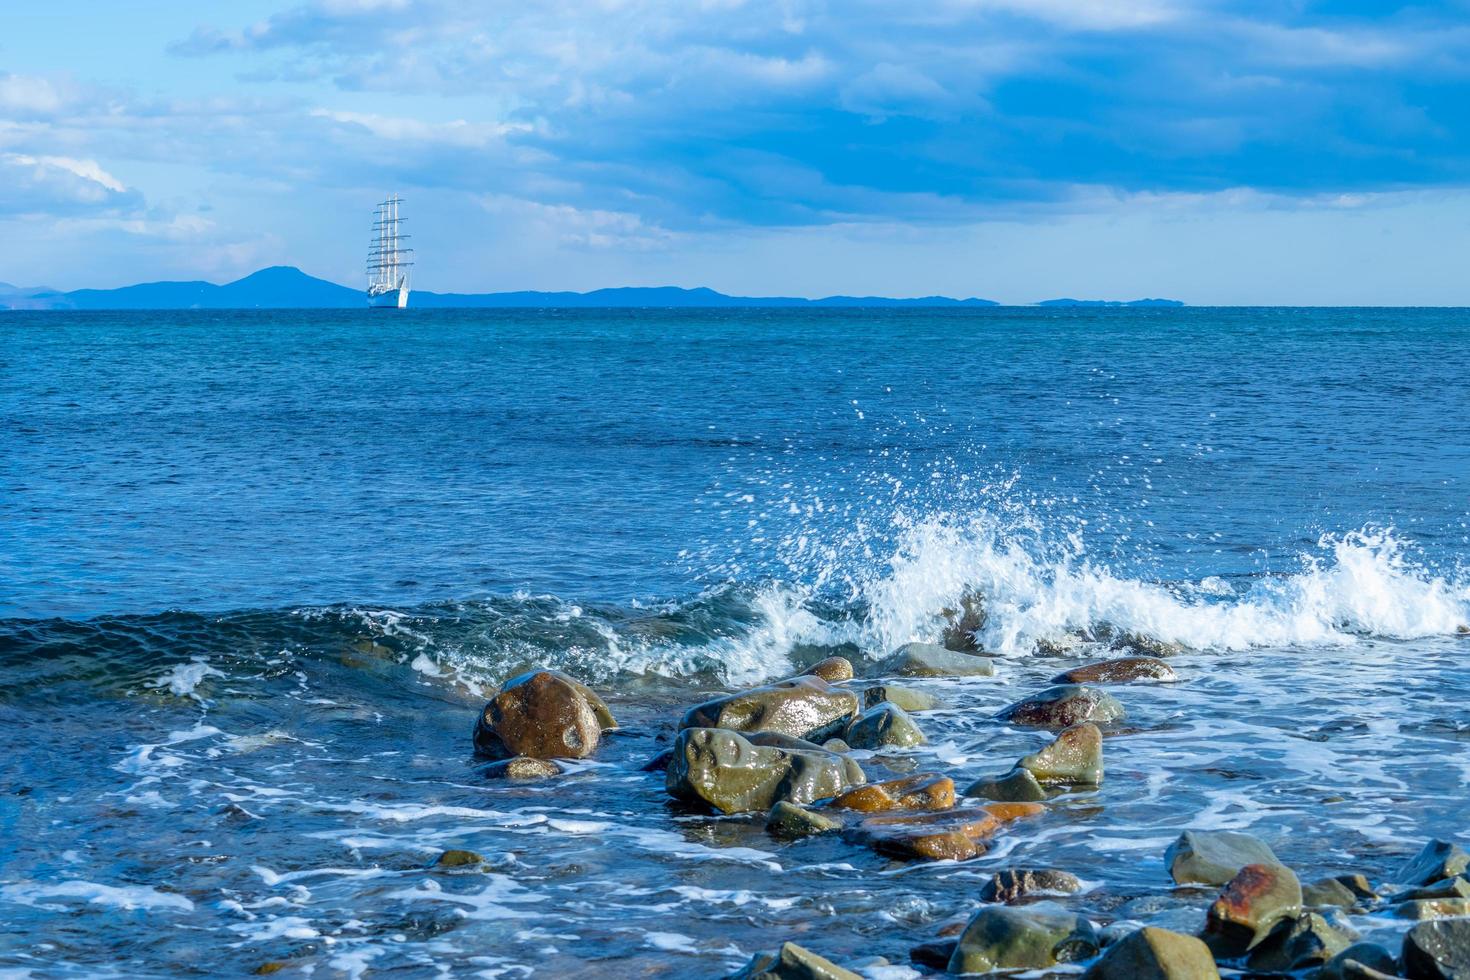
(260, 570)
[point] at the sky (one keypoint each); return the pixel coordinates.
(1233, 153)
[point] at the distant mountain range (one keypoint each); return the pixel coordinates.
(285, 287)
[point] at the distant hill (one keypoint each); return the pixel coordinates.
(1110, 302)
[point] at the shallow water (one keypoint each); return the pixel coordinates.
(259, 570)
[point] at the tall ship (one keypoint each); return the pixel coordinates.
(388, 261)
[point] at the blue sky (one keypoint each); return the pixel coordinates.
(1248, 152)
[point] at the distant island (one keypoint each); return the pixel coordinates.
(286, 287)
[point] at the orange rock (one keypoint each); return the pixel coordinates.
(542, 714)
(955, 835)
(1007, 812)
(924, 791)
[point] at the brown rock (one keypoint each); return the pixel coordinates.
(1062, 707)
(1016, 786)
(1249, 906)
(955, 835)
(923, 791)
(1118, 671)
(831, 670)
(1007, 886)
(543, 714)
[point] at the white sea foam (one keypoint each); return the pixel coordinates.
(184, 679)
(92, 893)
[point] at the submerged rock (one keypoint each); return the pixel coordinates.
(1155, 954)
(928, 660)
(1249, 907)
(1213, 857)
(1438, 950)
(1016, 786)
(906, 698)
(1007, 886)
(792, 962)
(458, 859)
(832, 670)
(1147, 645)
(521, 767)
(1118, 671)
(1076, 756)
(791, 821)
(1064, 706)
(731, 773)
(924, 791)
(802, 707)
(1031, 937)
(957, 835)
(543, 714)
(1358, 962)
(1438, 860)
(1296, 944)
(882, 725)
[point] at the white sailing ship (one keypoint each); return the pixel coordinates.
(388, 261)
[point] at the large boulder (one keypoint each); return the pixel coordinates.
(1438, 950)
(1031, 937)
(727, 771)
(884, 724)
(1249, 907)
(792, 962)
(1064, 706)
(928, 660)
(1118, 671)
(1213, 857)
(1076, 756)
(1155, 954)
(922, 791)
(543, 714)
(1016, 786)
(803, 707)
(1016, 883)
(906, 698)
(1438, 860)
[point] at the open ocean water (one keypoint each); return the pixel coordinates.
(258, 571)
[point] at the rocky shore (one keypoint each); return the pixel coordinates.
(814, 754)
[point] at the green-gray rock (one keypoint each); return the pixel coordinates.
(729, 772)
(907, 698)
(1015, 883)
(1458, 887)
(802, 707)
(1438, 950)
(1016, 786)
(1155, 954)
(1213, 857)
(792, 962)
(1432, 908)
(1328, 893)
(1147, 645)
(789, 821)
(884, 724)
(928, 660)
(1296, 944)
(1022, 938)
(1064, 706)
(1437, 861)
(459, 859)
(1350, 963)
(1249, 907)
(521, 767)
(1075, 756)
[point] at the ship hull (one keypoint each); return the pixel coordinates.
(389, 299)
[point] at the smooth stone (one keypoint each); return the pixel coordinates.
(1030, 937)
(1362, 955)
(1295, 944)
(792, 962)
(1016, 786)
(458, 859)
(1448, 888)
(1432, 908)
(791, 821)
(832, 670)
(1155, 954)
(1438, 950)
(1437, 861)
(659, 763)
(802, 707)
(1328, 893)
(928, 660)
(956, 835)
(906, 698)
(544, 714)
(836, 745)
(922, 791)
(1062, 707)
(1119, 671)
(1076, 756)
(1213, 857)
(521, 767)
(1248, 908)
(964, 623)
(884, 724)
(733, 774)
(1150, 646)
(1359, 885)
(1009, 885)
(933, 955)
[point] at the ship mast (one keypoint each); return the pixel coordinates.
(388, 261)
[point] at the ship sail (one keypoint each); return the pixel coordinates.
(388, 261)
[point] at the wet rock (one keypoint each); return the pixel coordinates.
(1437, 861)
(1213, 857)
(1438, 950)
(458, 859)
(933, 955)
(1016, 786)
(1076, 756)
(1296, 944)
(1328, 893)
(957, 835)
(659, 763)
(1358, 885)
(543, 714)
(1062, 707)
(1370, 956)
(792, 962)
(1150, 646)
(1009, 885)
(1248, 908)
(884, 724)
(964, 623)
(1064, 645)
(836, 745)
(906, 698)
(789, 821)
(1118, 671)
(1448, 888)
(1432, 908)
(734, 774)
(1155, 954)
(802, 707)
(928, 660)
(1028, 938)
(832, 670)
(924, 791)
(521, 767)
